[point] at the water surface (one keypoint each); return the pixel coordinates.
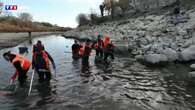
(123, 85)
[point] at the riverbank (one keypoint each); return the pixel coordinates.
(152, 38)
(13, 39)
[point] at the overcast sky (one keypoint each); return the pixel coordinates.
(60, 12)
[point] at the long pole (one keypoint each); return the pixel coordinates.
(31, 82)
(11, 82)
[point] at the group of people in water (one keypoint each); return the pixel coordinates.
(41, 58)
(40, 63)
(104, 49)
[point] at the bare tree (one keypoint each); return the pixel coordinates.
(25, 17)
(124, 5)
(25, 20)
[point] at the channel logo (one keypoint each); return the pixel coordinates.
(11, 7)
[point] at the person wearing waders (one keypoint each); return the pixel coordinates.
(40, 62)
(108, 49)
(76, 50)
(99, 47)
(21, 64)
(86, 53)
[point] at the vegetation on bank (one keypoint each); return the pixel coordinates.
(24, 23)
(112, 10)
(119, 9)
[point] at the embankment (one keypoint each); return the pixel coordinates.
(152, 38)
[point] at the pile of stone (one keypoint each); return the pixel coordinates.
(150, 39)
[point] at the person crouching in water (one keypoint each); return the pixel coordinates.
(76, 50)
(108, 49)
(40, 62)
(99, 47)
(21, 64)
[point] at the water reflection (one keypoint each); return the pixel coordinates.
(121, 85)
(45, 93)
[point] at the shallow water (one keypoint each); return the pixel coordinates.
(122, 85)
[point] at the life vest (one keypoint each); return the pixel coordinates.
(87, 52)
(45, 57)
(81, 50)
(106, 41)
(25, 63)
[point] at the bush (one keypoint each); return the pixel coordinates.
(82, 19)
(124, 5)
(25, 17)
(47, 24)
(94, 18)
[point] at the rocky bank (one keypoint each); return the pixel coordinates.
(152, 39)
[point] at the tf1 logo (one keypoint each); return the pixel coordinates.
(11, 7)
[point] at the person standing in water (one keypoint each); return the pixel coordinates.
(108, 49)
(99, 47)
(86, 53)
(21, 64)
(76, 50)
(40, 62)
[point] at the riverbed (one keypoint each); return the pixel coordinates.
(122, 85)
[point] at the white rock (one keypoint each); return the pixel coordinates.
(155, 58)
(171, 54)
(192, 66)
(191, 74)
(139, 57)
(188, 54)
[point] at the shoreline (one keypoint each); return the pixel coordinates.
(11, 39)
(153, 39)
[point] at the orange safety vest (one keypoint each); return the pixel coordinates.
(45, 57)
(25, 63)
(106, 41)
(81, 50)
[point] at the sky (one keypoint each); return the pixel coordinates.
(60, 12)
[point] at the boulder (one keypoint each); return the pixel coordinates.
(192, 67)
(139, 58)
(171, 54)
(155, 58)
(188, 53)
(191, 74)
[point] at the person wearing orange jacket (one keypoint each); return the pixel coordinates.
(86, 52)
(108, 49)
(40, 62)
(21, 64)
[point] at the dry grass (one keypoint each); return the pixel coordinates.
(6, 27)
(14, 24)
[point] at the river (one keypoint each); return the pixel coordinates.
(123, 85)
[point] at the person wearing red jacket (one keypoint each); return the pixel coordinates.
(21, 64)
(109, 51)
(41, 62)
(76, 50)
